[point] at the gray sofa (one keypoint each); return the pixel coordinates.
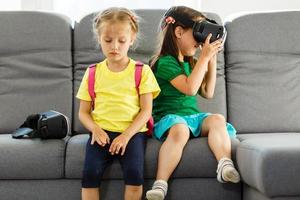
(43, 57)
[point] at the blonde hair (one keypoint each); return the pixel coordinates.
(113, 15)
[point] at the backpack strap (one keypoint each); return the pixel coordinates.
(91, 83)
(138, 75)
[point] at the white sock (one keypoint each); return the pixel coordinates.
(227, 172)
(159, 190)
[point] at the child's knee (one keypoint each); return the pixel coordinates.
(91, 178)
(216, 120)
(133, 175)
(179, 133)
(134, 188)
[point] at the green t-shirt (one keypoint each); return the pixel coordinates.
(171, 100)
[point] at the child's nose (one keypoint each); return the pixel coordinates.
(115, 45)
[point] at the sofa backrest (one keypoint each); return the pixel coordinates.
(263, 72)
(35, 66)
(86, 51)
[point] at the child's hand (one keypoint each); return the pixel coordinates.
(210, 49)
(100, 136)
(213, 61)
(119, 144)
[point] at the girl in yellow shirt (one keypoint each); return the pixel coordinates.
(117, 122)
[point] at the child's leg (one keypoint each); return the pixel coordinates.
(90, 194)
(169, 156)
(96, 160)
(133, 192)
(171, 151)
(132, 163)
(214, 126)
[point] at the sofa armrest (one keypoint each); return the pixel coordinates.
(271, 164)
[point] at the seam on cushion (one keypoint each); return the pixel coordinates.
(36, 51)
(261, 53)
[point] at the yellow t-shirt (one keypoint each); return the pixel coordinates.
(117, 101)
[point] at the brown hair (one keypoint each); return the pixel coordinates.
(167, 39)
(113, 15)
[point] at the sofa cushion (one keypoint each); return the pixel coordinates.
(197, 161)
(36, 66)
(262, 72)
(31, 158)
(86, 51)
(270, 163)
(58, 189)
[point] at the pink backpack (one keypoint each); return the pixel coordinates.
(138, 77)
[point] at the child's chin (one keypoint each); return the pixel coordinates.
(191, 53)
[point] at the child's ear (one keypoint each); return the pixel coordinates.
(99, 39)
(178, 31)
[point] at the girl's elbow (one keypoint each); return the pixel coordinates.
(208, 95)
(149, 112)
(191, 91)
(81, 115)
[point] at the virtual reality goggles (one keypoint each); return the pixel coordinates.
(46, 125)
(201, 29)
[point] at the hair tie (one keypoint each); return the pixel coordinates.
(133, 18)
(170, 20)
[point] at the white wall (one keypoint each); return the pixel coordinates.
(77, 8)
(225, 8)
(10, 5)
(37, 4)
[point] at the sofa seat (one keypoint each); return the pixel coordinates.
(31, 158)
(197, 161)
(270, 163)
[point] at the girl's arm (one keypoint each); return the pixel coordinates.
(191, 84)
(98, 134)
(119, 143)
(207, 88)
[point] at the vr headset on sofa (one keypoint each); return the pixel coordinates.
(45, 125)
(201, 29)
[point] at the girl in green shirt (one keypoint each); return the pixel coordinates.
(175, 110)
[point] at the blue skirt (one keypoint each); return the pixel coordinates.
(194, 122)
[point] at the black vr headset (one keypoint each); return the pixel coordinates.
(46, 125)
(201, 29)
